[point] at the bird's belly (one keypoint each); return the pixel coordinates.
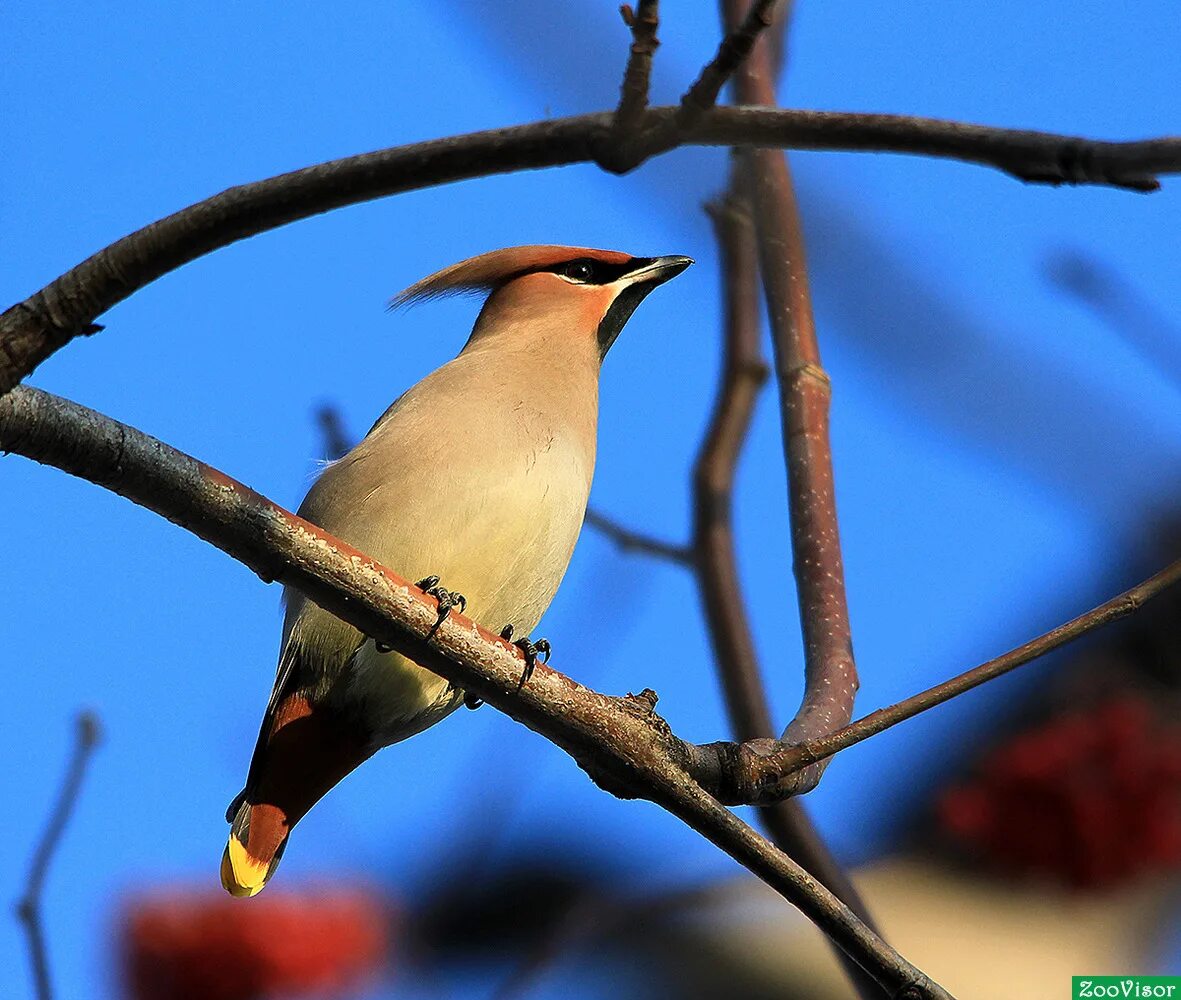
(396, 696)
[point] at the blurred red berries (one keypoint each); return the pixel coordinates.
(194, 945)
(1089, 798)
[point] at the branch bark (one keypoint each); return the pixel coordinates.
(743, 374)
(32, 330)
(620, 742)
(830, 673)
(643, 23)
(751, 249)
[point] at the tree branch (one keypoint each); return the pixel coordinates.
(830, 673)
(732, 54)
(699, 98)
(711, 555)
(633, 98)
(805, 754)
(787, 821)
(32, 330)
(88, 734)
(628, 540)
(743, 374)
(621, 743)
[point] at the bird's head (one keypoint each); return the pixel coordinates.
(539, 293)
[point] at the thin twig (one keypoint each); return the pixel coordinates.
(732, 54)
(1123, 306)
(334, 440)
(702, 96)
(830, 673)
(638, 542)
(32, 330)
(644, 22)
(88, 733)
(885, 718)
(621, 743)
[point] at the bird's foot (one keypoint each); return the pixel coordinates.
(447, 599)
(532, 650)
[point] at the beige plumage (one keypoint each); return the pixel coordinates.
(479, 475)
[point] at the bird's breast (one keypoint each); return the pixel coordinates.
(476, 482)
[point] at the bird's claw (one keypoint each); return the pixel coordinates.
(447, 599)
(531, 651)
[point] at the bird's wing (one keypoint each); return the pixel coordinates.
(288, 662)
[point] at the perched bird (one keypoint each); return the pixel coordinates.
(478, 477)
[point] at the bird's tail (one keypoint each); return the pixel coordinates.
(258, 836)
(303, 750)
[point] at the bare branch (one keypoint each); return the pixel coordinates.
(711, 555)
(830, 673)
(732, 54)
(32, 330)
(743, 375)
(635, 541)
(633, 99)
(1119, 607)
(621, 743)
(701, 96)
(88, 734)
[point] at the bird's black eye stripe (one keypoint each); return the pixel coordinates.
(587, 271)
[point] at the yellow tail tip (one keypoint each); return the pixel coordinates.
(241, 875)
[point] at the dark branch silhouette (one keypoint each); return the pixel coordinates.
(636, 541)
(1120, 303)
(633, 99)
(88, 734)
(67, 307)
(335, 441)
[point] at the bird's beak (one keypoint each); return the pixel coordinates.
(658, 270)
(633, 286)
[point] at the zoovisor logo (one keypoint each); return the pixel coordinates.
(1131, 987)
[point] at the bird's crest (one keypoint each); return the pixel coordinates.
(489, 271)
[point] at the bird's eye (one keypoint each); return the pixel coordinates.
(579, 270)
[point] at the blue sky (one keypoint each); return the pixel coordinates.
(999, 450)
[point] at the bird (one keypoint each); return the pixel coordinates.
(474, 482)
